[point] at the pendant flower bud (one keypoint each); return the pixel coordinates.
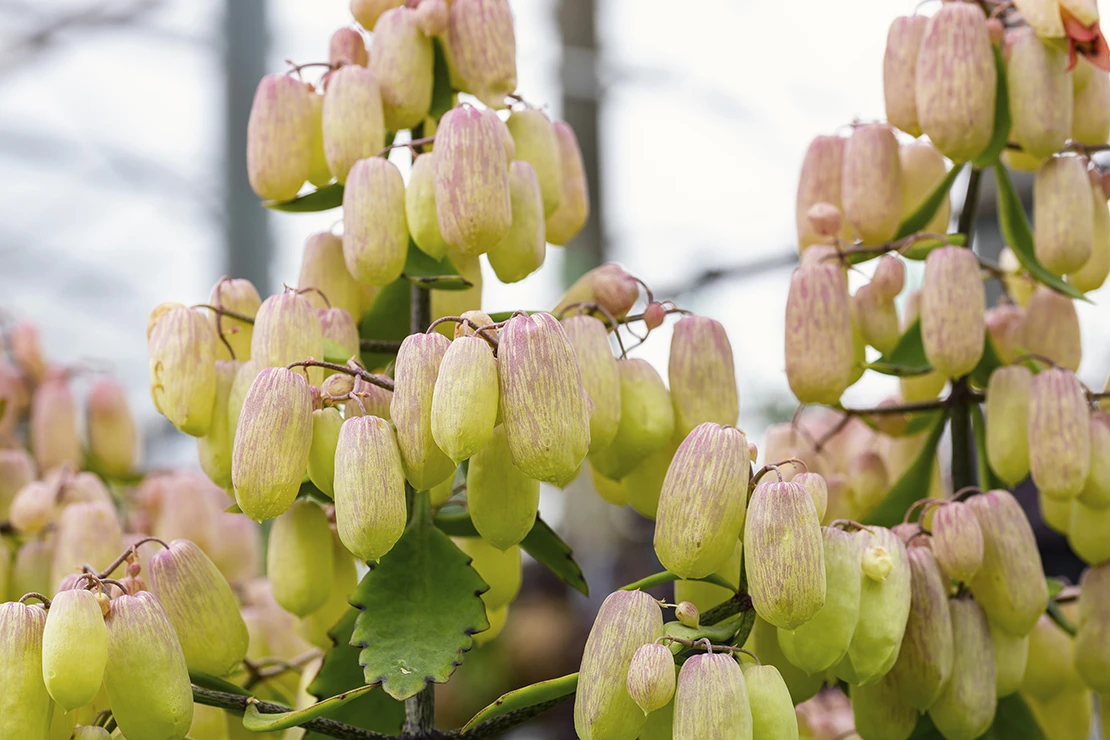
(503, 501)
(464, 402)
(536, 143)
(287, 330)
(651, 678)
(481, 46)
(375, 233)
(347, 47)
(26, 706)
(711, 699)
(966, 705)
(646, 420)
(952, 311)
(1007, 433)
(957, 541)
(899, 68)
(74, 648)
(925, 659)
(609, 286)
(1063, 219)
(239, 296)
(820, 182)
(279, 137)
(353, 120)
(417, 372)
(420, 207)
(53, 427)
(923, 168)
(370, 509)
(182, 349)
(871, 188)
(1040, 93)
(523, 249)
(702, 375)
(574, 207)
(1059, 434)
(1051, 328)
(324, 268)
(300, 561)
(819, 354)
(403, 63)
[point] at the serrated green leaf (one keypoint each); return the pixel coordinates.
(320, 199)
(907, 358)
(920, 218)
(387, 319)
(1002, 121)
(666, 576)
(256, 721)
(215, 683)
(914, 483)
(420, 606)
(528, 696)
(542, 543)
(422, 270)
(442, 94)
(340, 671)
(1019, 236)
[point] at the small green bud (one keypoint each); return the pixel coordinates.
(74, 648)
(299, 558)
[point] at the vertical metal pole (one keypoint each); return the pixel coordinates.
(577, 23)
(247, 246)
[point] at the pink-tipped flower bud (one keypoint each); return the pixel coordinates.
(957, 541)
(646, 420)
(1006, 324)
(608, 286)
(472, 192)
(923, 167)
(87, 533)
(1090, 122)
(370, 509)
(1040, 93)
(903, 41)
(654, 314)
(603, 707)
(536, 143)
(955, 82)
(420, 208)
(871, 189)
(687, 614)
(241, 297)
(782, 534)
(702, 375)
(201, 606)
(432, 17)
(711, 699)
(26, 704)
(416, 372)
(543, 403)
(279, 137)
(402, 61)
(1007, 434)
(182, 351)
(1051, 328)
(353, 118)
(375, 232)
(600, 376)
(574, 207)
(112, 436)
(1063, 217)
(651, 678)
(825, 219)
(339, 327)
(1010, 583)
(877, 317)
(819, 354)
(146, 678)
(482, 48)
(54, 437)
(952, 310)
(17, 469)
(347, 47)
(1096, 491)
(820, 182)
(26, 350)
(464, 402)
(272, 441)
(1059, 434)
(323, 268)
(1092, 639)
(523, 249)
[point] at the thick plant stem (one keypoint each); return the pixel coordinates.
(966, 224)
(420, 713)
(963, 466)
(321, 725)
(498, 726)
(420, 303)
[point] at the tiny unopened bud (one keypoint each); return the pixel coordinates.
(608, 285)
(687, 614)
(651, 676)
(825, 219)
(876, 563)
(996, 30)
(432, 17)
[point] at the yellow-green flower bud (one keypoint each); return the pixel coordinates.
(214, 448)
(925, 659)
(25, 705)
(879, 712)
(574, 207)
(87, 532)
(370, 509)
(965, 707)
(500, 569)
(701, 374)
(375, 233)
(1087, 527)
(1063, 219)
(769, 699)
(608, 285)
(300, 561)
(326, 423)
(711, 699)
(651, 678)
(871, 188)
(420, 208)
(1090, 121)
(957, 541)
(708, 476)
(1092, 640)
(287, 330)
(323, 268)
(923, 168)
(111, 433)
(182, 350)
(952, 311)
(272, 442)
(534, 136)
(1007, 434)
(502, 500)
(601, 377)
(1096, 491)
(353, 120)
(819, 353)
(1010, 656)
(464, 402)
(523, 249)
(482, 49)
(241, 297)
(1059, 434)
(1040, 93)
(646, 420)
(819, 182)
(899, 67)
(279, 137)
(402, 61)
(74, 648)
(339, 327)
(1094, 271)
(416, 372)
(1051, 328)
(367, 12)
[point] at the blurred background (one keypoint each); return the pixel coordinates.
(122, 139)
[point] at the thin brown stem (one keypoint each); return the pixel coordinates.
(407, 145)
(131, 551)
(35, 595)
(357, 372)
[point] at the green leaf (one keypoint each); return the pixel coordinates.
(1055, 586)
(420, 605)
(321, 199)
(442, 94)
(426, 272)
(1002, 122)
(215, 683)
(920, 249)
(233, 509)
(914, 483)
(374, 710)
(542, 543)
(1014, 720)
(256, 721)
(920, 218)
(907, 358)
(334, 353)
(1019, 236)
(537, 693)
(388, 319)
(667, 577)
(1060, 619)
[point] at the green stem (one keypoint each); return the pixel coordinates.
(497, 726)
(420, 712)
(963, 469)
